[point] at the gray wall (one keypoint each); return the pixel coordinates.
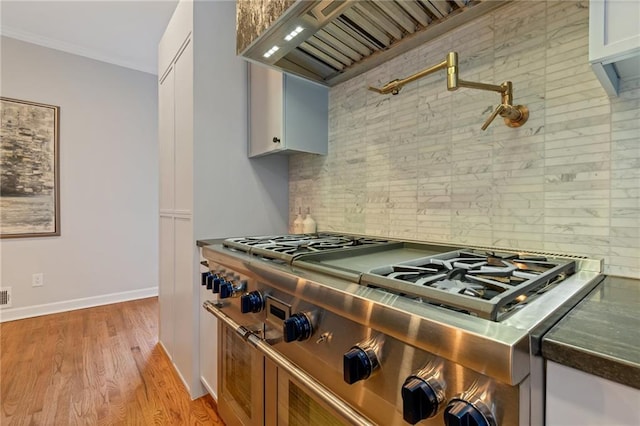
(108, 182)
(418, 166)
(234, 196)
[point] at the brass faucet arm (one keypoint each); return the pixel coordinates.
(481, 86)
(514, 116)
(425, 72)
(394, 86)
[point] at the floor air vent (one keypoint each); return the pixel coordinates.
(5, 297)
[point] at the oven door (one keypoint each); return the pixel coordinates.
(252, 371)
(240, 380)
(294, 404)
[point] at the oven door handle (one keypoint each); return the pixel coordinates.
(309, 382)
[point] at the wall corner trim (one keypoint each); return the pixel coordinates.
(13, 314)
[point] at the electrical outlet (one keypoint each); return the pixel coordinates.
(37, 280)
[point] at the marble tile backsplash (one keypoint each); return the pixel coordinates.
(417, 165)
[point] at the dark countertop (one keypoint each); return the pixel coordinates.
(601, 335)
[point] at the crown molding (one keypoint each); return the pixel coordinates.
(75, 49)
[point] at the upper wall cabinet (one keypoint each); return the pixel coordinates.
(286, 114)
(614, 41)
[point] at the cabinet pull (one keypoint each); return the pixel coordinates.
(276, 139)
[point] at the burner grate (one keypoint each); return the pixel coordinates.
(487, 285)
(287, 247)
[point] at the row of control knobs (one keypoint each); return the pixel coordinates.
(422, 396)
(223, 285)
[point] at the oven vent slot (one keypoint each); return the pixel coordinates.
(5, 297)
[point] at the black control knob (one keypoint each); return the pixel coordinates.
(210, 279)
(216, 280)
(251, 302)
(419, 400)
(229, 288)
(358, 364)
(226, 289)
(205, 275)
(463, 413)
(297, 327)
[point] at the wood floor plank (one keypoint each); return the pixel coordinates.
(97, 366)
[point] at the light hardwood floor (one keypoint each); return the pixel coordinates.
(97, 366)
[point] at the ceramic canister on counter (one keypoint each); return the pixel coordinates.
(298, 224)
(308, 224)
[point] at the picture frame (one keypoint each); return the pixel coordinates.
(29, 169)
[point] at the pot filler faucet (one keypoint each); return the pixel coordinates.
(514, 115)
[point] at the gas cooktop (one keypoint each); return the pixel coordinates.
(480, 282)
(358, 314)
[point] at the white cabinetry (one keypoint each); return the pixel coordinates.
(614, 41)
(574, 397)
(287, 113)
(208, 342)
(175, 100)
(202, 117)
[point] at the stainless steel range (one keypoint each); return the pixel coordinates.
(346, 329)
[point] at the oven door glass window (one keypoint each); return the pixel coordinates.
(242, 370)
(297, 407)
(304, 410)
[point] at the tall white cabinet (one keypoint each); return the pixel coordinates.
(208, 186)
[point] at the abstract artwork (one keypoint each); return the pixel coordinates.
(29, 172)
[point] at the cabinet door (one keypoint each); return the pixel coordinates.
(166, 139)
(577, 398)
(165, 287)
(614, 30)
(183, 107)
(306, 109)
(208, 343)
(185, 302)
(265, 110)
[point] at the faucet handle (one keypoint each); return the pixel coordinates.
(493, 115)
(392, 87)
(514, 116)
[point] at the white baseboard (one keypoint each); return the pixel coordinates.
(209, 389)
(200, 389)
(164, 349)
(184, 382)
(11, 314)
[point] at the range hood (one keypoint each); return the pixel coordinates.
(339, 39)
